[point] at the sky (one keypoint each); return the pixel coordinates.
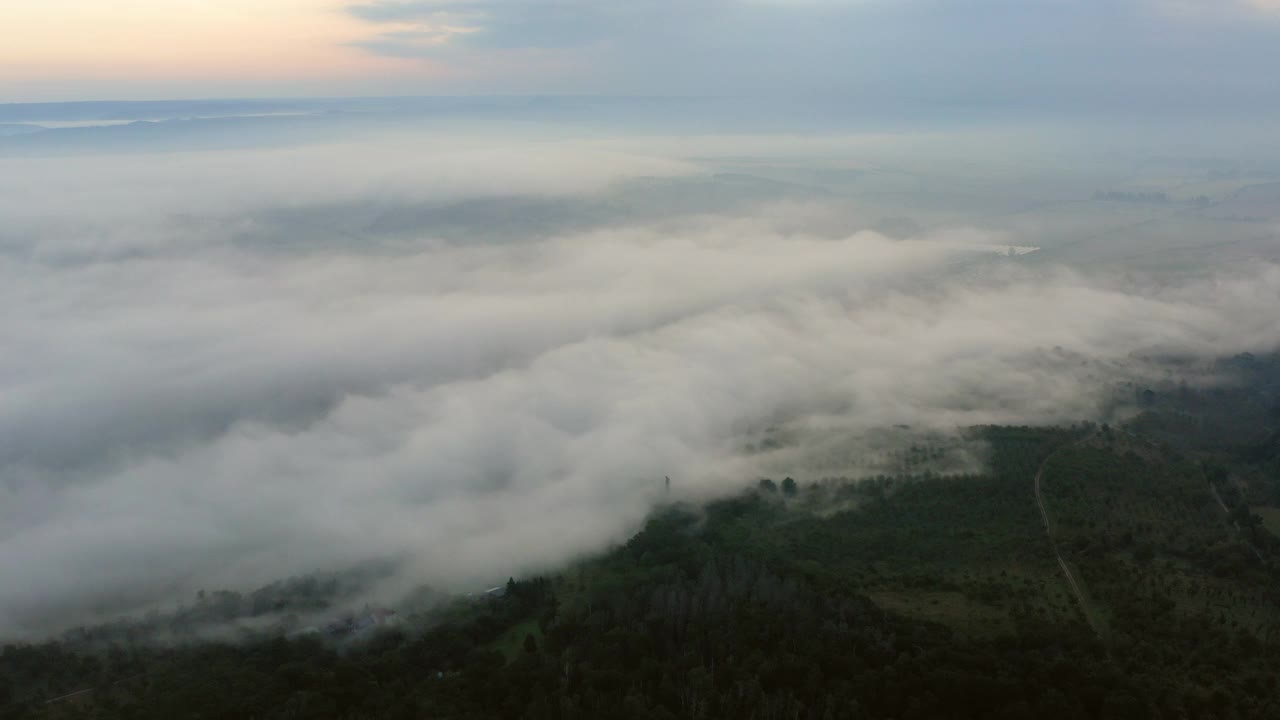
(1092, 52)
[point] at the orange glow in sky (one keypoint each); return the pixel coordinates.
(142, 40)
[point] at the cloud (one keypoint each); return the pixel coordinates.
(186, 411)
(1200, 10)
(1134, 53)
(483, 24)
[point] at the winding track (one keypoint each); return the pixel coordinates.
(1071, 580)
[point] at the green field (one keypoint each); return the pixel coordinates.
(1270, 519)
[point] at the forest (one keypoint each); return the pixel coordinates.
(907, 595)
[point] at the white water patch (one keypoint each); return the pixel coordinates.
(71, 124)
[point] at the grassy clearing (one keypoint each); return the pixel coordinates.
(1270, 519)
(511, 642)
(966, 616)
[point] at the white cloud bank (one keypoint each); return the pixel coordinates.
(223, 415)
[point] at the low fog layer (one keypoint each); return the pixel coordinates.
(217, 371)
